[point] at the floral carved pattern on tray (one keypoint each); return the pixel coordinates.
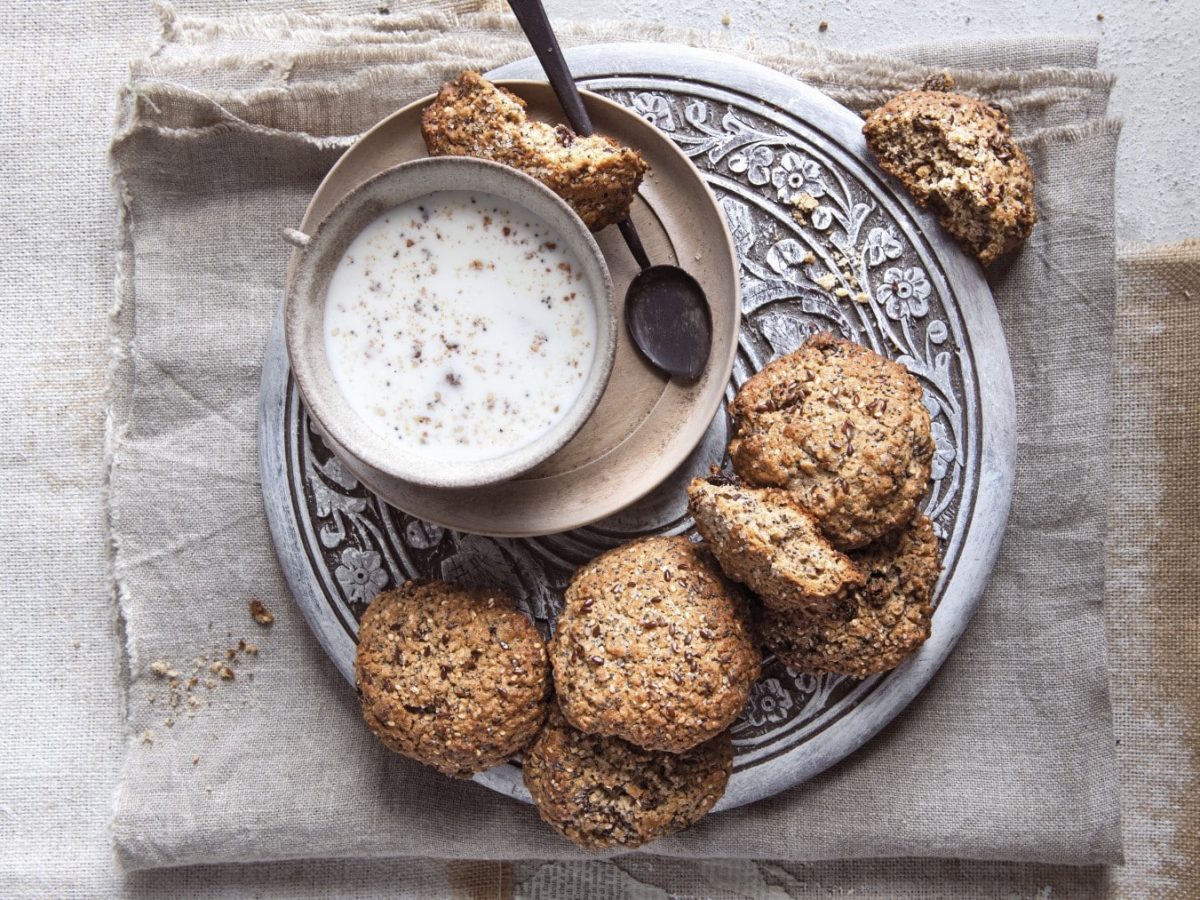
(822, 246)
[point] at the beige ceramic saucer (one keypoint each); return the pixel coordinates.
(644, 425)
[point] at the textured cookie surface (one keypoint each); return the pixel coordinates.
(956, 155)
(654, 645)
(844, 430)
(472, 117)
(456, 678)
(762, 538)
(602, 792)
(879, 625)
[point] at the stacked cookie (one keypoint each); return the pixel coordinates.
(624, 716)
(832, 449)
(653, 658)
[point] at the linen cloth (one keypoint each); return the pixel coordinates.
(222, 137)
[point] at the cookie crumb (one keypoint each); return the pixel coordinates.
(823, 27)
(195, 760)
(805, 203)
(159, 668)
(726, 20)
(841, 293)
(226, 673)
(827, 282)
(860, 297)
(942, 81)
(260, 613)
(169, 722)
(147, 736)
(1099, 17)
(252, 649)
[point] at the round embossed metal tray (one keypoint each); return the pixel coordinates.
(865, 263)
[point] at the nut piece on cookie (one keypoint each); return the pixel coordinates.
(456, 678)
(956, 155)
(844, 430)
(880, 624)
(654, 646)
(764, 539)
(472, 117)
(602, 792)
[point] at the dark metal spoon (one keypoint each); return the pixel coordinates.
(666, 311)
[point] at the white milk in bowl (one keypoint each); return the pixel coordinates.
(458, 327)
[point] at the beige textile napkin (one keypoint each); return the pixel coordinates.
(223, 135)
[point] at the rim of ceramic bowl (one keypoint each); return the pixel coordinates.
(316, 257)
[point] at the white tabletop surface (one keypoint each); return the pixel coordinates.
(60, 66)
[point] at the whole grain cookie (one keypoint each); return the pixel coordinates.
(456, 678)
(654, 645)
(880, 624)
(472, 117)
(844, 430)
(764, 539)
(602, 792)
(956, 155)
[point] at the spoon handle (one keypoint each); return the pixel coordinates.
(534, 22)
(536, 25)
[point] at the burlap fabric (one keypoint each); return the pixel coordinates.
(222, 136)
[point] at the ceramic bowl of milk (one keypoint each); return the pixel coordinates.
(451, 322)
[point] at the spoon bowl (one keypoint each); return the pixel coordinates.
(668, 318)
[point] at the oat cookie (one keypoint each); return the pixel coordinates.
(456, 678)
(956, 155)
(880, 624)
(654, 646)
(844, 430)
(472, 117)
(764, 539)
(602, 792)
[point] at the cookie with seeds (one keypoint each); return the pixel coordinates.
(956, 155)
(596, 175)
(654, 645)
(601, 792)
(764, 539)
(844, 430)
(456, 678)
(879, 624)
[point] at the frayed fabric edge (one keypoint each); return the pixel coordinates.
(117, 392)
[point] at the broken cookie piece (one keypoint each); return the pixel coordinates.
(764, 539)
(472, 117)
(956, 155)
